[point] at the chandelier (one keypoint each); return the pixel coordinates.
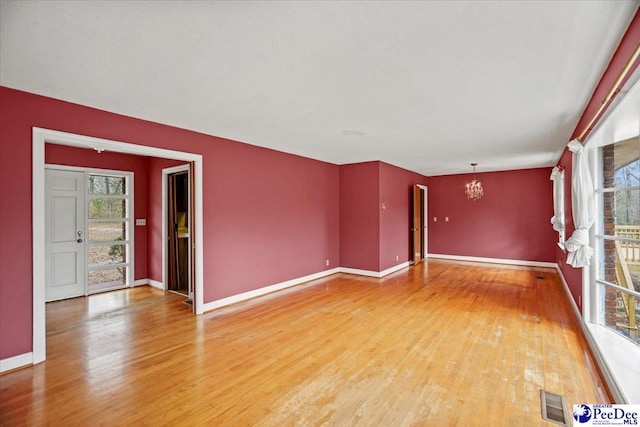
(474, 188)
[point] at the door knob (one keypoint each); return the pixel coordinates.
(79, 237)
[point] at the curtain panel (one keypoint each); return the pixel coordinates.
(583, 212)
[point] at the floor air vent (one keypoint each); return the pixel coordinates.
(553, 407)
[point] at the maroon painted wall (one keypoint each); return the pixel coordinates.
(372, 236)
(360, 216)
(71, 156)
(268, 216)
(511, 220)
(396, 192)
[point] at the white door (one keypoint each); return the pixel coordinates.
(65, 266)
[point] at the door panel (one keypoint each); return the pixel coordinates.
(65, 246)
(64, 218)
(64, 268)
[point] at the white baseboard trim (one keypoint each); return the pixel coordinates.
(140, 282)
(376, 274)
(266, 290)
(368, 273)
(233, 299)
(156, 284)
(612, 384)
(494, 260)
(15, 362)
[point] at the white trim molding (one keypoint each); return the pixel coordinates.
(15, 362)
(267, 289)
(156, 284)
(376, 274)
(233, 299)
(42, 136)
(140, 282)
(495, 260)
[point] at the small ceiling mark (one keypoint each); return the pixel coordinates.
(352, 133)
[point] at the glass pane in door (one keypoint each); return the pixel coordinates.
(106, 231)
(100, 280)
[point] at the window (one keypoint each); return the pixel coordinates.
(109, 231)
(618, 238)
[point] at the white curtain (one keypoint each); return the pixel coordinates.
(557, 176)
(582, 203)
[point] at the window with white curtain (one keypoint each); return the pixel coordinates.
(612, 283)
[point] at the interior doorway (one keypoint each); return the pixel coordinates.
(419, 229)
(44, 136)
(178, 214)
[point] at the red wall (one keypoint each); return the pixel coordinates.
(372, 236)
(268, 216)
(360, 216)
(511, 220)
(71, 156)
(396, 192)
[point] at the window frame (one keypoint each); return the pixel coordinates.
(599, 236)
(127, 220)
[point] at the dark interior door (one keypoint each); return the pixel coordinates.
(179, 231)
(417, 226)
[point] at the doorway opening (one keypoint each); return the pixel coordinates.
(419, 229)
(43, 136)
(177, 207)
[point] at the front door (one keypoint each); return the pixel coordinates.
(65, 266)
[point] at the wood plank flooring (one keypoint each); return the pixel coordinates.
(440, 344)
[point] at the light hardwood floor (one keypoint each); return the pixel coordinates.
(441, 344)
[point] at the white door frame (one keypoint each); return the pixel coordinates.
(425, 221)
(165, 230)
(41, 136)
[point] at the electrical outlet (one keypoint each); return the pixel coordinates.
(435, 219)
(446, 219)
(397, 257)
(327, 263)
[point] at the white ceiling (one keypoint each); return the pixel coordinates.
(428, 86)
